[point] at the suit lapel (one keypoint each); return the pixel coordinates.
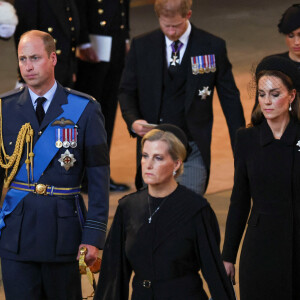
(26, 109)
(157, 68)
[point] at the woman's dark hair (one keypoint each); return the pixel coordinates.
(257, 116)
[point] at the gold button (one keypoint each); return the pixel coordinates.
(70, 19)
(10, 143)
(40, 132)
(72, 28)
(122, 14)
(50, 29)
(41, 189)
(67, 8)
(103, 23)
(121, 1)
(55, 41)
(58, 51)
(100, 11)
(73, 49)
(99, 1)
(122, 26)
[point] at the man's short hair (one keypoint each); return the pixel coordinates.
(45, 37)
(170, 8)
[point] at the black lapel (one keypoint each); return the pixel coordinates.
(176, 211)
(55, 109)
(156, 69)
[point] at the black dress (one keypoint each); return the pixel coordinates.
(268, 171)
(166, 254)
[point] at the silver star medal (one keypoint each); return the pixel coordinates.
(298, 144)
(174, 60)
(67, 160)
(205, 92)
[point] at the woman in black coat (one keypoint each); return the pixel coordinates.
(267, 169)
(289, 26)
(165, 233)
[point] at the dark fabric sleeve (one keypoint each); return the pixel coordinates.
(240, 202)
(84, 31)
(94, 230)
(115, 270)
(208, 240)
(228, 93)
(128, 95)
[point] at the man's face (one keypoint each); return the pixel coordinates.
(174, 27)
(37, 68)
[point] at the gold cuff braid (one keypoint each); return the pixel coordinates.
(25, 135)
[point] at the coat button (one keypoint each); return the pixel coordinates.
(122, 26)
(72, 28)
(73, 49)
(50, 29)
(40, 132)
(58, 51)
(70, 19)
(103, 23)
(100, 11)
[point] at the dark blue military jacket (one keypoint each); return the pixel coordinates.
(47, 228)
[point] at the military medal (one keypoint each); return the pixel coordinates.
(298, 144)
(66, 142)
(73, 142)
(58, 143)
(194, 65)
(201, 64)
(205, 92)
(174, 57)
(67, 160)
(213, 63)
(206, 64)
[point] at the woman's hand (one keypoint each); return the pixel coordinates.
(230, 270)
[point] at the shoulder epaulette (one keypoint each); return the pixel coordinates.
(71, 91)
(12, 92)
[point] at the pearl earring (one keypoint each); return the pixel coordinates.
(174, 173)
(290, 107)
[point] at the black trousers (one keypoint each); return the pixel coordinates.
(41, 281)
(101, 80)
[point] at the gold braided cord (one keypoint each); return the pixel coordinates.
(25, 135)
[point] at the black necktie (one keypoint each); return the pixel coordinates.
(175, 56)
(40, 113)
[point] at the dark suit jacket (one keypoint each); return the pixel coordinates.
(141, 86)
(106, 17)
(266, 170)
(47, 228)
(182, 238)
(52, 16)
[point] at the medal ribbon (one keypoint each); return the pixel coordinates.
(44, 151)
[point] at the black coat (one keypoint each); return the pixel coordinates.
(266, 170)
(53, 16)
(182, 239)
(141, 87)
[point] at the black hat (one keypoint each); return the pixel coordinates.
(290, 20)
(179, 133)
(282, 64)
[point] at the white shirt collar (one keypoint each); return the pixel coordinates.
(183, 39)
(49, 96)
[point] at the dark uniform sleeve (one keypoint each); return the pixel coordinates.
(212, 267)
(97, 169)
(229, 94)
(240, 203)
(128, 96)
(115, 270)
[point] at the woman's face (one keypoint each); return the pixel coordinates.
(157, 163)
(274, 98)
(293, 42)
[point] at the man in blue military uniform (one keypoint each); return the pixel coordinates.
(43, 221)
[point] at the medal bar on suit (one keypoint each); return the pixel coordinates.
(58, 143)
(66, 143)
(194, 65)
(73, 142)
